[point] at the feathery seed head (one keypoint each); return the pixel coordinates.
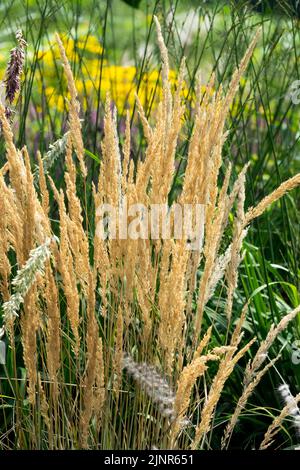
(15, 68)
(292, 405)
(25, 278)
(155, 386)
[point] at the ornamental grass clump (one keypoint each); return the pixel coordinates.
(109, 331)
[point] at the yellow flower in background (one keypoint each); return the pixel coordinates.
(84, 55)
(54, 100)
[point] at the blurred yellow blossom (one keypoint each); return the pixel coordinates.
(121, 81)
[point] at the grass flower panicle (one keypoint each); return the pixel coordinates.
(56, 151)
(25, 278)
